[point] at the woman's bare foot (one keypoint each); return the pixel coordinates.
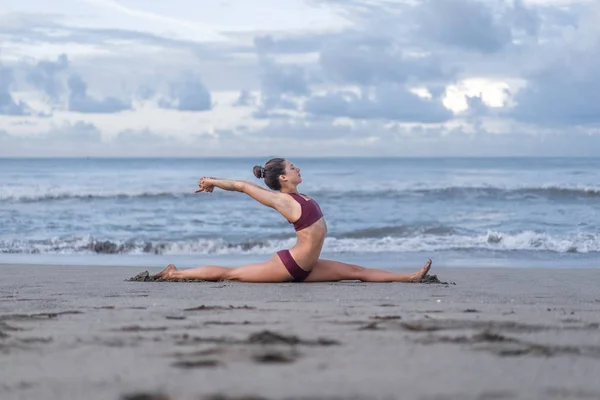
(423, 271)
(166, 273)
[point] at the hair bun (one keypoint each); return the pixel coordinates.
(259, 171)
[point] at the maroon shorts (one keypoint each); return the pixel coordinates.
(293, 268)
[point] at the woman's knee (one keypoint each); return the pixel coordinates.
(356, 271)
(261, 272)
(344, 271)
(232, 274)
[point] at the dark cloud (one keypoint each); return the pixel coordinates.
(473, 25)
(245, 99)
(476, 106)
(80, 101)
(524, 18)
(390, 102)
(8, 105)
(145, 92)
(188, 93)
(280, 84)
(368, 60)
(556, 98)
(564, 89)
(469, 24)
(292, 44)
(44, 76)
(283, 79)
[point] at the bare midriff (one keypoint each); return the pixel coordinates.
(309, 244)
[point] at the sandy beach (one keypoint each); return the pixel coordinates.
(70, 332)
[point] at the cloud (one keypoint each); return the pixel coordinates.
(8, 105)
(301, 138)
(292, 44)
(380, 139)
(564, 88)
(281, 87)
(80, 101)
(187, 93)
(82, 139)
(472, 25)
(524, 18)
(365, 60)
(388, 102)
(314, 91)
(554, 97)
(161, 18)
(56, 30)
(245, 99)
(469, 24)
(278, 80)
(476, 106)
(44, 76)
(63, 140)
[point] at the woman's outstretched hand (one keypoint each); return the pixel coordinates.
(205, 185)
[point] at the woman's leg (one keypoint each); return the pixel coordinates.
(328, 271)
(272, 270)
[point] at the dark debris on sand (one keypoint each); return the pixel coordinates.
(505, 346)
(145, 396)
(46, 315)
(213, 308)
(432, 279)
(264, 337)
(269, 337)
(146, 277)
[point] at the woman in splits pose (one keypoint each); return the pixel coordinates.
(301, 263)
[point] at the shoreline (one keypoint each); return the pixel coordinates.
(71, 332)
(382, 260)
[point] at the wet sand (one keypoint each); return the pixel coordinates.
(89, 333)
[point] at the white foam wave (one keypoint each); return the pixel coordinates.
(497, 241)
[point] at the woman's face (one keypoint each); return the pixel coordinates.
(292, 173)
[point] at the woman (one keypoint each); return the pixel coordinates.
(301, 263)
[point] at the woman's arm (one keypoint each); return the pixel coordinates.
(258, 193)
(226, 184)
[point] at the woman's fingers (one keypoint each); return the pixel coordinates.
(203, 187)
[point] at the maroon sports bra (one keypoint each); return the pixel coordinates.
(311, 212)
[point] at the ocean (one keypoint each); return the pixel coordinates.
(387, 213)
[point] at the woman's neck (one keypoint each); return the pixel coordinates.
(289, 190)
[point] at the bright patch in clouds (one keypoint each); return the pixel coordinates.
(301, 77)
(493, 93)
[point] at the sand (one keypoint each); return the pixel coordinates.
(88, 333)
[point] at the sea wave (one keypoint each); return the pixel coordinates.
(30, 195)
(421, 242)
(550, 192)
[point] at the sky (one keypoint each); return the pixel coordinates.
(424, 78)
